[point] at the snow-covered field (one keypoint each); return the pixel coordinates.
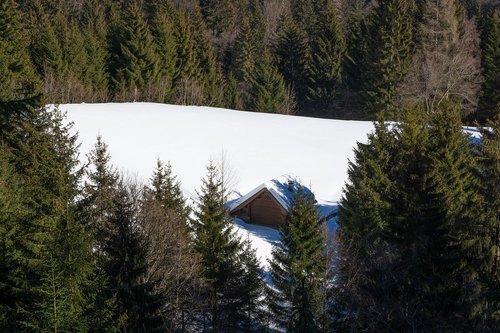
(258, 146)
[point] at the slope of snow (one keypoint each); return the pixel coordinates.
(258, 146)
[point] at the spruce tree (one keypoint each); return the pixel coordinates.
(297, 267)
(390, 51)
(95, 29)
(217, 245)
(244, 52)
(135, 62)
(292, 54)
(489, 105)
(489, 170)
(163, 30)
(17, 75)
(226, 265)
(52, 252)
(167, 190)
(12, 213)
(327, 54)
(268, 91)
(125, 264)
(210, 74)
(409, 228)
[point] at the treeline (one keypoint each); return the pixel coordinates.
(347, 58)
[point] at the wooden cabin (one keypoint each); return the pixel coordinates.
(262, 208)
(268, 204)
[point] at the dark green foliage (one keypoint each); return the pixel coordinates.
(292, 55)
(244, 52)
(124, 264)
(163, 30)
(268, 91)
(297, 269)
(167, 190)
(48, 265)
(489, 248)
(135, 62)
(218, 15)
(408, 228)
(489, 102)
(327, 54)
(17, 76)
(389, 54)
(95, 28)
(226, 266)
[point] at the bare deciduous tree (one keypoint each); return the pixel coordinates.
(172, 263)
(447, 63)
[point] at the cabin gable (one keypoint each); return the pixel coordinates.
(262, 208)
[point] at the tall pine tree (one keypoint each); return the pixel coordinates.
(297, 268)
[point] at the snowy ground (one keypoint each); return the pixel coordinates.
(258, 146)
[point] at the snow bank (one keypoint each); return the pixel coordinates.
(258, 146)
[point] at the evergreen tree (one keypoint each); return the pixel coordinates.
(390, 51)
(125, 265)
(409, 228)
(167, 190)
(490, 51)
(244, 52)
(297, 268)
(229, 302)
(52, 254)
(135, 62)
(95, 73)
(12, 213)
(327, 53)
(489, 167)
(292, 52)
(304, 14)
(98, 190)
(268, 91)
(17, 76)
(218, 14)
(210, 74)
(166, 44)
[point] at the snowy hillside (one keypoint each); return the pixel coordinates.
(258, 146)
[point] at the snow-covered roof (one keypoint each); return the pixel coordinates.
(283, 189)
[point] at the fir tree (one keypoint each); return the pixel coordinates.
(124, 264)
(17, 75)
(244, 53)
(490, 51)
(95, 73)
(268, 91)
(211, 77)
(406, 222)
(167, 190)
(489, 249)
(166, 44)
(390, 51)
(296, 268)
(52, 253)
(135, 62)
(327, 53)
(292, 52)
(230, 304)
(216, 243)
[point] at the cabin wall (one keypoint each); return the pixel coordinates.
(266, 211)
